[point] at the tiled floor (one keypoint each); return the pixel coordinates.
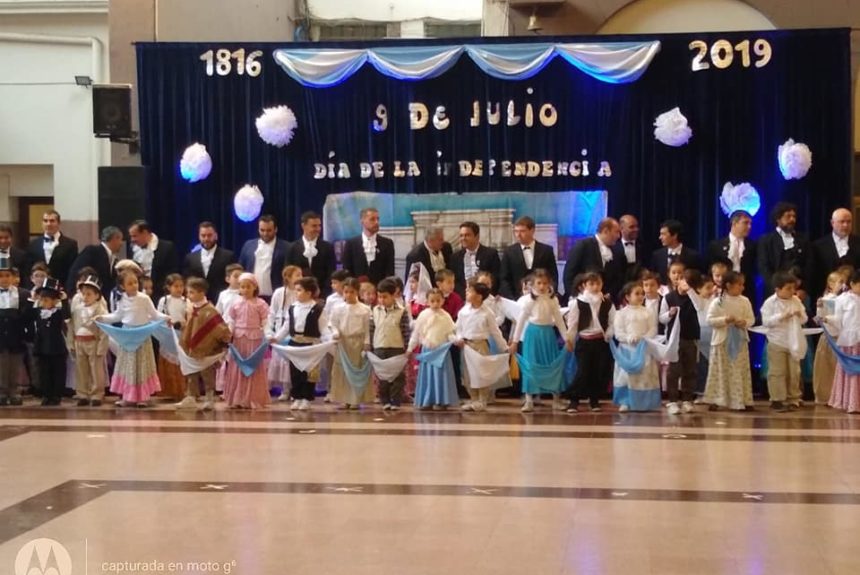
(328, 492)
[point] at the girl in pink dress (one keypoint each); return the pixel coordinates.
(247, 318)
(845, 322)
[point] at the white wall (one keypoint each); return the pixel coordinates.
(45, 119)
(666, 16)
(396, 10)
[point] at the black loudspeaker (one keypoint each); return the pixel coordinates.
(122, 196)
(112, 110)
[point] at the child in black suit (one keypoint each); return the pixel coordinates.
(13, 308)
(49, 341)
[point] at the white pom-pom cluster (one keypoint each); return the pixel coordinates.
(671, 128)
(795, 159)
(276, 125)
(196, 164)
(248, 202)
(742, 197)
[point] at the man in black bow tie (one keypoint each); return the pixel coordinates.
(630, 249)
(55, 249)
(433, 253)
(523, 257)
(673, 250)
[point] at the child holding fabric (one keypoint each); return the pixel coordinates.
(173, 304)
(226, 299)
(825, 361)
(135, 377)
(540, 313)
(592, 318)
(350, 326)
(783, 315)
(634, 323)
(88, 343)
(282, 299)
(845, 322)
(246, 318)
(389, 334)
(437, 386)
(729, 378)
(476, 326)
(677, 307)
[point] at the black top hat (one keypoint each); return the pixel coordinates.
(5, 265)
(50, 287)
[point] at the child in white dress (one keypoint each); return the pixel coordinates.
(634, 323)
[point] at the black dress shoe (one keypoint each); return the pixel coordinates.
(83, 402)
(4, 401)
(96, 403)
(46, 402)
(16, 401)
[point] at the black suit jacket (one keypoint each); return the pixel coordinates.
(164, 262)
(216, 278)
(354, 260)
(631, 270)
(279, 258)
(513, 268)
(486, 259)
(718, 251)
(19, 259)
(660, 261)
(420, 254)
(322, 266)
(61, 259)
(823, 259)
(772, 257)
(96, 257)
(584, 257)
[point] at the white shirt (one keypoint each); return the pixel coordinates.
(369, 245)
(846, 319)
(722, 307)
(529, 254)
(594, 301)
(133, 311)
(479, 324)
(206, 259)
(841, 245)
(263, 265)
(736, 252)
(787, 239)
(783, 330)
(143, 256)
(351, 320)
(629, 250)
(82, 317)
(300, 317)
(432, 329)
(539, 310)
(333, 301)
(310, 249)
(634, 323)
(48, 247)
(437, 260)
(9, 298)
(282, 299)
(605, 251)
(470, 263)
(175, 307)
(225, 299)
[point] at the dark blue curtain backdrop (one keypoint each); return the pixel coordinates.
(739, 117)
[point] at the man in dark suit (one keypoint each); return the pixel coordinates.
(209, 262)
(595, 254)
(738, 252)
(101, 257)
(53, 248)
(156, 256)
(629, 249)
(434, 253)
(311, 253)
(473, 257)
(673, 250)
(16, 257)
(266, 256)
(521, 258)
(783, 249)
(838, 248)
(369, 255)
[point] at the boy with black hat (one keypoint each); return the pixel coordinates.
(49, 342)
(88, 343)
(13, 307)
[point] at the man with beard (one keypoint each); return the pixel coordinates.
(209, 262)
(782, 249)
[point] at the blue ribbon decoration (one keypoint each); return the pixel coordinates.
(248, 365)
(630, 360)
(734, 341)
(850, 363)
(436, 356)
(131, 338)
(358, 378)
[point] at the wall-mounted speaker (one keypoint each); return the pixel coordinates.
(112, 110)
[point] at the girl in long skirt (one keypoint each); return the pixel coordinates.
(633, 323)
(824, 370)
(246, 319)
(174, 305)
(282, 299)
(846, 322)
(350, 325)
(436, 385)
(729, 382)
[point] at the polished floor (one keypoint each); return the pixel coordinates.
(102, 491)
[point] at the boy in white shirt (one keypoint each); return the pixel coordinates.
(476, 324)
(783, 315)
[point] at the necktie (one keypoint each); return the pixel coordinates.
(4, 290)
(627, 244)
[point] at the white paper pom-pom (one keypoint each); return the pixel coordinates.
(794, 160)
(195, 164)
(743, 198)
(671, 128)
(276, 125)
(248, 202)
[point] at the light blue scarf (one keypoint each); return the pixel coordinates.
(436, 356)
(358, 378)
(248, 365)
(131, 338)
(850, 363)
(734, 341)
(630, 360)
